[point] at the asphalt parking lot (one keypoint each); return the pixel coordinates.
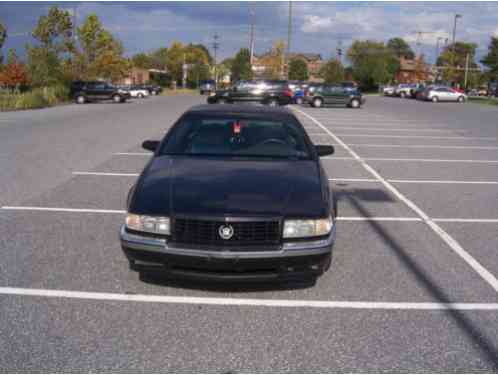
(413, 285)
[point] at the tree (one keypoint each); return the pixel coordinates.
(420, 68)
(453, 60)
(54, 37)
(14, 75)
(400, 48)
(373, 63)
(298, 70)
(158, 58)
(3, 37)
(241, 65)
(142, 61)
(491, 59)
(101, 55)
(332, 72)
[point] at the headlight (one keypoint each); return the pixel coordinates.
(149, 224)
(307, 228)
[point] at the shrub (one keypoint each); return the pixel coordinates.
(36, 98)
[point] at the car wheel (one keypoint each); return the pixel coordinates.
(402, 95)
(80, 99)
(116, 98)
(221, 101)
(435, 99)
(154, 92)
(299, 100)
(317, 102)
(461, 99)
(355, 103)
(272, 103)
(141, 96)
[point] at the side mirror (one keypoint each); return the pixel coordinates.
(150, 145)
(324, 150)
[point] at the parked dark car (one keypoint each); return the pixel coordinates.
(207, 86)
(222, 198)
(272, 93)
(153, 89)
(334, 95)
(93, 91)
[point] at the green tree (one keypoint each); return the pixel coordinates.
(174, 61)
(101, 55)
(298, 70)
(453, 60)
(3, 37)
(400, 48)
(332, 72)
(54, 37)
(241, 65)
(373, 63)
(202, 47)
(142, 61)
(158, 58)
(491, 59)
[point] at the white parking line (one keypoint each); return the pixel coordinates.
(134, 153)
(434, 160)
(354, 218)
(220, 301)
(414, 136)
(105, 174)
(450, 241)
(60, 209)
(443, 182)
(424, 146)
(466, 220)
(395, 129)
(354, 179)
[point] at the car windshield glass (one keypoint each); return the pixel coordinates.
(234, 136)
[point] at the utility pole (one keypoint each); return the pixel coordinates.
(251, 47)
(437, 48)
(339, 52)
(184, 72)
(457, 16)
(289, 33)
(467, 58)
(216, 45)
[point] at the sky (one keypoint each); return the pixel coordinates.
(317, 27)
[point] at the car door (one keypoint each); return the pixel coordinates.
(240, 92)
(93, 90)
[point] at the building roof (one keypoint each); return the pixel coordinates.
(307, 56)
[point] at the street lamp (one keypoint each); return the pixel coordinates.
(457, 16)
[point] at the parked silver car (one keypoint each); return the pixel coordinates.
(444, 94)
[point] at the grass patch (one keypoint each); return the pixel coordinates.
(169, 92)
(33, 99)
(484, 100)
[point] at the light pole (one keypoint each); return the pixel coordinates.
(457, 16)
(439, 38)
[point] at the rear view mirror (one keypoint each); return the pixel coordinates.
(150, 145)
(324, 150)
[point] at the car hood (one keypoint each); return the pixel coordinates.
(213, 187)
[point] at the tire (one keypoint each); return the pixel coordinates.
(272, 103)
(435, 99)
(355, 103)
(80, 99)
(317, 102)
(153, 92)
(221, 101)
(461, 99)
(140, 95)
(299, 100)
(402, 95)
(116, 99)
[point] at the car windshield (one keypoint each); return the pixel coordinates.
(197, 135)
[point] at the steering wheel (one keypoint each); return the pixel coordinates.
(274, 140)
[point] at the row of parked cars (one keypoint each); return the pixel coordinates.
(278, 93)
(91, 91)
(434, 93)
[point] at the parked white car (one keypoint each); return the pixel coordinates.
(138, 92)
(388, 90)
(444, 94)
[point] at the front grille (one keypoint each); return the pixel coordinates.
(245, 233)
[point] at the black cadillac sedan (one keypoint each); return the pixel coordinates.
(232, 193)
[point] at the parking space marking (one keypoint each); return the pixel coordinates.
(60, 209)
(105, 174)
(443, 182)
(424, 146)
(395, 129)
(134, 153)
(414, 136)
(354, 179)
(354, 218)
(450, 241)
(466, 220)
(224, 301)
(433, 160)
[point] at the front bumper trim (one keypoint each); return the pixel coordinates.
(157, 245)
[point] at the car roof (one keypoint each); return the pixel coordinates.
(241, 109)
